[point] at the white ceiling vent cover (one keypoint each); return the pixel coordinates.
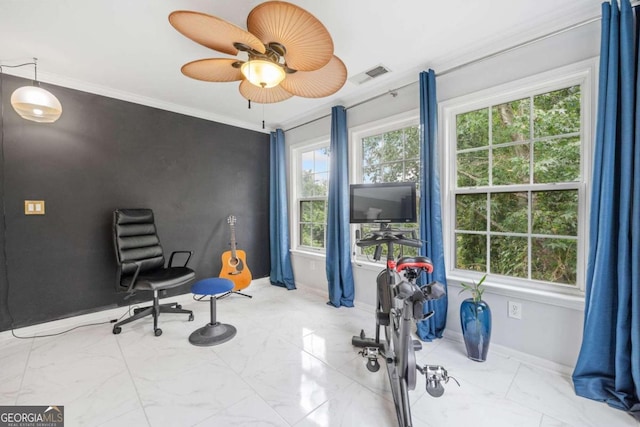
(376, 71)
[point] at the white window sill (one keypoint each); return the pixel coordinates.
(574, 302)
(566, 300)
(308, 253)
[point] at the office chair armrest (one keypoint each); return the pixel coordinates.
(180, 252)
(135, 275)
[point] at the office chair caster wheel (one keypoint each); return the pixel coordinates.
(191, 317)
(117, 330)
(157, 332)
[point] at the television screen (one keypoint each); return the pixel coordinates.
(381, 203)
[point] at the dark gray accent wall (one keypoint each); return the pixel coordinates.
(104, 154)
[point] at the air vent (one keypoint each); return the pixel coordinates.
(376, 71)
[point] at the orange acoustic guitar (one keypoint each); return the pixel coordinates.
(234, 262)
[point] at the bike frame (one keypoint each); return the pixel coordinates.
(399, 304)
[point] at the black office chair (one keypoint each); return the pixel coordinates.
(141, 264)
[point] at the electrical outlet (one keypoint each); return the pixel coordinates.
(514, 310)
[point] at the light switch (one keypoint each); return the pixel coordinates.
(34, 207)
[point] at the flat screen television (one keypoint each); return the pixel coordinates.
(382, 203)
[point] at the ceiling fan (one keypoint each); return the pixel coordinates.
(288, 52)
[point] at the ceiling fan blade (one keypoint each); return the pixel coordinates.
(212, 70)
(317, 84)
(308, 43)
(263, 95)
(213, 32)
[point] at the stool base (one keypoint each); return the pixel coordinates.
(212, 334)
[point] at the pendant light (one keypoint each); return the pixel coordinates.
(34, 103)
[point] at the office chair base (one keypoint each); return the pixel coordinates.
(141, 312)
(212, 334)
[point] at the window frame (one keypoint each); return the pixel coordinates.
(356, 135)
(582, 74)
(296, 151)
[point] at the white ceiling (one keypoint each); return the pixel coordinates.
(127, 49)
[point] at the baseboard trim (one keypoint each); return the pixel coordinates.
(529, 359)
(105, 315)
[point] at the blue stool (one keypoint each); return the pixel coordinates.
(215, 332)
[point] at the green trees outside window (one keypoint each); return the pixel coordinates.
(392, 156)
(314, 183)
(517, 187)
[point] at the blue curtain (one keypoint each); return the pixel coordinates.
(281, 271)
(608, 367)
(430, 210)
(339, 274)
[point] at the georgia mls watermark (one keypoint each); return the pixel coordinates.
(32, 416)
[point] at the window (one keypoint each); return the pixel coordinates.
(390, 154)
(313, 181)
(517, 185)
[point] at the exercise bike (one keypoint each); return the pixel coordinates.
(399, 304)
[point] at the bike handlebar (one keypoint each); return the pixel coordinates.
(395, 239)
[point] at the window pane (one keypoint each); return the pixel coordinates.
(321, 184)
(555, 212)
(411, 171)
(305, 211)
(554, 260)
(321, 160)
(511, 165)
(393, 146)
(307, 183)
(411, 143)
(510, 121)
(371, 149)
(305, 234)
(471, 212)
(509, 212)
(393, 172)
(371, 174)
(318, 236)
(557, 113)
(509, 256)
(307, 161)
(557, 160)
(472, 129)
(471, 252)
(473, 168)
(318, 211)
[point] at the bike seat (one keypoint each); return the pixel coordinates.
(417, 262)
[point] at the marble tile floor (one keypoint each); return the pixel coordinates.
(291, 364)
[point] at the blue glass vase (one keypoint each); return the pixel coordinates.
(475, 319)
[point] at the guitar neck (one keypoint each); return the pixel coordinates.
(233, 241)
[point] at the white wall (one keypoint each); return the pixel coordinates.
(548, 329)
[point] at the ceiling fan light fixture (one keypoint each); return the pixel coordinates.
(262, 73)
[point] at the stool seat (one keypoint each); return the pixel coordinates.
(212, 333)
(211, 286)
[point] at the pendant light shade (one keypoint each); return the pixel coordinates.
(36, 104)
(32, 102)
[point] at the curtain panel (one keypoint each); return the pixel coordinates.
(281, 270)
(608, 366)
(430, 209)
(338, 264)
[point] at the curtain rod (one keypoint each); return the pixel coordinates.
(471, 62)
